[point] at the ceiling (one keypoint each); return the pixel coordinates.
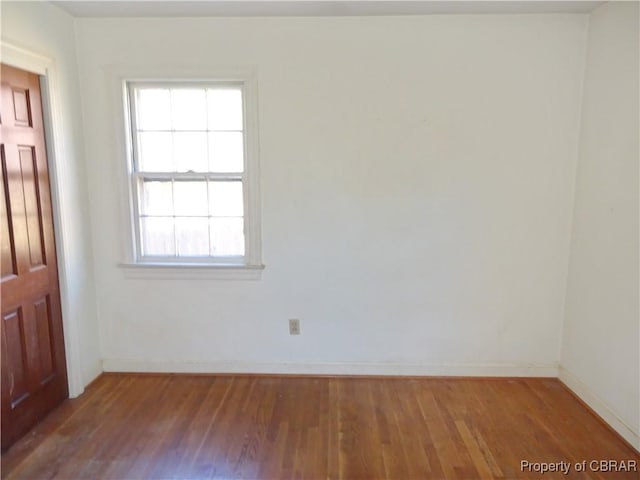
(313, 8)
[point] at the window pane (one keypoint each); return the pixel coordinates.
(189, 127)
(190, 198)
(154, 152)
(226, 152)
(192, 236)
(189, 109)
(157, 198)
(190, 151)
(157, 236)
(225, 199)
(227, 236)
(225, 109)
(154, 109)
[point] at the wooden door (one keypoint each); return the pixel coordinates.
(34, 375)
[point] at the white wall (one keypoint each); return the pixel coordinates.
(46, 30)
(601, 341)
(417, 183)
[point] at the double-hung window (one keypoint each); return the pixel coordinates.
(192, 175)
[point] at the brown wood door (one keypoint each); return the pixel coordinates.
(34, 374)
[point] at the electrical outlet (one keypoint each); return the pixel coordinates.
(294, 326)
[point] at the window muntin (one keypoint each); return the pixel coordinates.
(189, 172)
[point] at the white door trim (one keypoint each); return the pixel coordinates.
(44, 66)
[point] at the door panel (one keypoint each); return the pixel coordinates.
(8, 249)
(43, 321)
(34, 377)
(30, 194)
(14, 336)
(21, 107)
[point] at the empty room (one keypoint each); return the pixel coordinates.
(320, 239)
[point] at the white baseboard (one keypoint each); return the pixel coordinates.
(391, 369)
(599, 406)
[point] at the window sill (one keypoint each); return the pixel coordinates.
(186, 271)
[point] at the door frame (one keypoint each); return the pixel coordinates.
(45, 67)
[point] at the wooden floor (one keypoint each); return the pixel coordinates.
(184, 427)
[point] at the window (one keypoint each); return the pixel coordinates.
(192, 174)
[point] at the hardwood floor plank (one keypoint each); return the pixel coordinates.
(214, 460)
(442, 446)
(134, 447)
(409, 424)
(133, 426)
(333, 432)
(474, 450)
(166, 431)
(203, 421)
(54, 421)
(104, 444)
(357, 425)
(65, 444)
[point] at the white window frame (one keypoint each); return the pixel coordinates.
(248, 266)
